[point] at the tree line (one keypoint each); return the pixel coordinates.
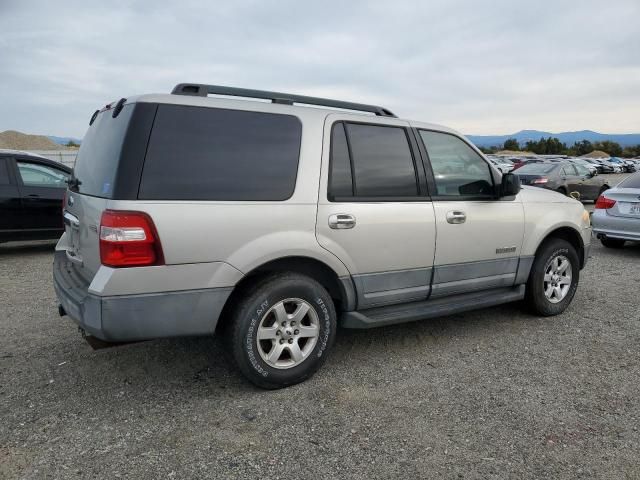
(553, 146)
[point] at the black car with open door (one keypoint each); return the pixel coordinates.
(31, 192)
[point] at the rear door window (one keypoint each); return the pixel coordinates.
(371, 161)
(197, 153)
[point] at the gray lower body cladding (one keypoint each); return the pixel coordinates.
(392, 314)
(137, 317)
(402, 286)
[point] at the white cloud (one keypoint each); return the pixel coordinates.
(479, 67)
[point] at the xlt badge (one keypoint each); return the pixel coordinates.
(505, 250)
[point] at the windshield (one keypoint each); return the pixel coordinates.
(99, 153)
(535, 168)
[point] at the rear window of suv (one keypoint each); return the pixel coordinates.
(198, 153)
(99, 154)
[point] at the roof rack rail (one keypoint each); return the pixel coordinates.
(201, 90)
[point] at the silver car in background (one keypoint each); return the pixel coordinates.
(616, 217)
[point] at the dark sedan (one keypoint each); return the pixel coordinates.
(31, 192)
(564, 177)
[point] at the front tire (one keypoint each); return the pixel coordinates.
(282, 330)
(554, 278)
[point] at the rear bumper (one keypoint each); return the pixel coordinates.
(136, 317)
(615, 227)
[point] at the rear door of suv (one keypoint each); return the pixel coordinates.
(374, 213)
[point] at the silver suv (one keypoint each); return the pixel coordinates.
(271, 222)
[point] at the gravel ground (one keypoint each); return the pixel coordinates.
(496, 393)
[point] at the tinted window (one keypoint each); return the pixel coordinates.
(457, 168)
(631, 182)
(340, 180)
(535, 168)
(214, 154)
(38, 175)
(382, 161)
(4, 172)
(99, 153)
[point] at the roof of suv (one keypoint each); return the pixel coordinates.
(258, 100)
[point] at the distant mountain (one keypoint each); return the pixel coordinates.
(569, 138)
(64, 140)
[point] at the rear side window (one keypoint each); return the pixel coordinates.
(99, 154)
(197, 153)
(371, 161)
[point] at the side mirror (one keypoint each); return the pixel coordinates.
(510, 185)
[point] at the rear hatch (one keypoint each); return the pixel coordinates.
(107, 167)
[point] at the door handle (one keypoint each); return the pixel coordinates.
(339, 221)
(456, 217)
(33, 195)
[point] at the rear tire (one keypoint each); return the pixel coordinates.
(282, 330)
(612, 242)
(554, 278)
(562, 191)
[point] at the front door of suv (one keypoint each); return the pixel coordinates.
(373, 210)
(479, 236)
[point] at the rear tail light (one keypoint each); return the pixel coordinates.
(604, 203)
(129, 239)
(540, 180)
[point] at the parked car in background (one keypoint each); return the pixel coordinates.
(607, 167)
(519, 162)
(588, 165)
(31, 192)
(618, 162)
(616, 217)
(600, 168)
(564, 177)
(504, 165)
(275, 221)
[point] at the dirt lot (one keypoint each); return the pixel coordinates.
(496, 393)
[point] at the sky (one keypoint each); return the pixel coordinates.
(481, 67)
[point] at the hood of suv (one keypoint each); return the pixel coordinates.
(530, 194)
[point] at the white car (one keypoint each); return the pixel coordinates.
(271, 222)
(503, 165)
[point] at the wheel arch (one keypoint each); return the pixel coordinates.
(568, 234)
(341, 289)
